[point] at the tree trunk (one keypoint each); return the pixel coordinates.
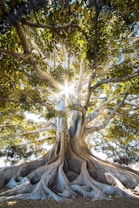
(69, 169)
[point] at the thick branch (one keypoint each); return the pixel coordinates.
(80, 78)
(114, 80)
(41, 73)
(78, 108)
(95, 113)
(102, 126)
(31, 60)
(89, 89)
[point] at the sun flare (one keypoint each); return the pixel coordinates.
(67, 90)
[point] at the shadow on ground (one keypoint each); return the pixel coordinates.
(76, 203)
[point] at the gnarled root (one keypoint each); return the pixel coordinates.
(65, 176)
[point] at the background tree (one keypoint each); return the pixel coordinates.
(76, 65)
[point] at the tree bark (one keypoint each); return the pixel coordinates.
(67, 170)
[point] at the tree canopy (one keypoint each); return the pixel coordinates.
(105, 42)
(73, 60)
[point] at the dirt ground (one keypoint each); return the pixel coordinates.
(76, 203)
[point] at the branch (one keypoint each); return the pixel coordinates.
(14, 101)
(25, 46)
(19, 11)
(92, 116)
(117, 107)
(14, 54)
(28, 56)
(134, 107)
(24, 9)
(130, 37)
(79, 84)
(89, 89)
(49, 126)
(79, 87)
(67, 109)
(32, 62)
(78, 108)
(98, 5)
(39, 130)
(114, 80)
(133, 98)
(23, 40)
(102, 126)
(26, 101)
(95, 114)
(99, 98)
(13, 125)
(51, 27)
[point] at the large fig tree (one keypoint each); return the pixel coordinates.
(76, 64)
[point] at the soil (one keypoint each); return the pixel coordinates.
(76, 203)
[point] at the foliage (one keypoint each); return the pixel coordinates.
(59, 37)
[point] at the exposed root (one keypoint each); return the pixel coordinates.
(128, 177)
(20, 189)
(67, 175)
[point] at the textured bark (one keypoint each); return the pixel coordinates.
(69, 169)
(66, 171)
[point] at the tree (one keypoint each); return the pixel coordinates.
(75, 64)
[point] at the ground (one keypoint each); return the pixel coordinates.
(77, 203)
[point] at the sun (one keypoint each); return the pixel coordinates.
(67, 90)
